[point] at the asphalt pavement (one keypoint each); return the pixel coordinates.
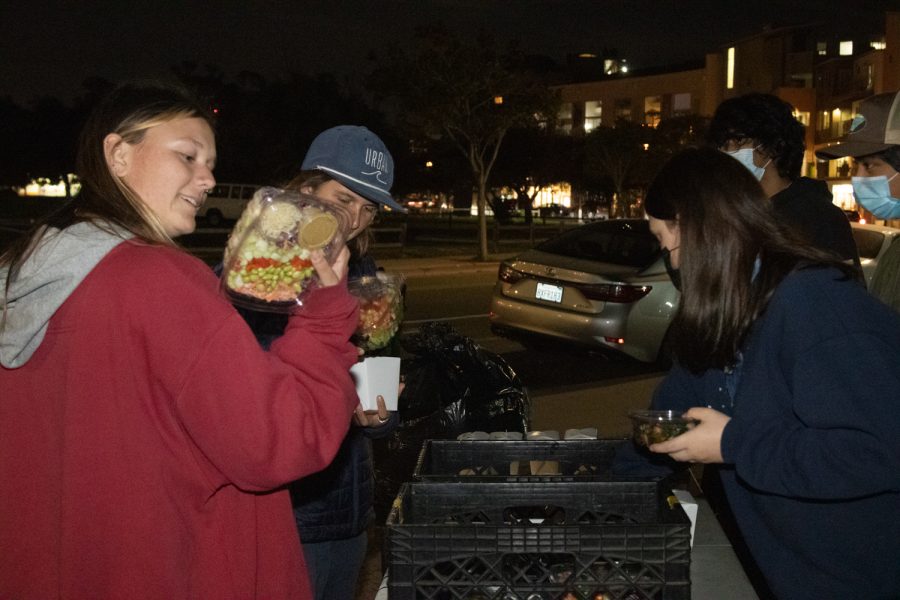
(603, 404)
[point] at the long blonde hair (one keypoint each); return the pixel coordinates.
(129, 111)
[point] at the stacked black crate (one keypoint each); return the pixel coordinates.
(533, 520)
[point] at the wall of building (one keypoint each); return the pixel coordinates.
(891, 65)
(785, 62)
(758, 65)
(612, 92)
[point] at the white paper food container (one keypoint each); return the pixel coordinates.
(374, 376)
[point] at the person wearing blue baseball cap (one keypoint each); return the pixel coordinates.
(357, 159)
(350, 166)
(347, 166)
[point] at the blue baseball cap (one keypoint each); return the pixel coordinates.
(358, 159)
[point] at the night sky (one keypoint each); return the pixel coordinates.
(50, 48)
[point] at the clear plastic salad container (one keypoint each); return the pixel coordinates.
(267, 263)
(655, 426)
(380, 309)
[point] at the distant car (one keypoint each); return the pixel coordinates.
(872, 241)
(225, 202)
(603, 285)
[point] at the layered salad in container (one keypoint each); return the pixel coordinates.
(380, 309)
(267, 264)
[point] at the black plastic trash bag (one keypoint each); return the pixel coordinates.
(452, 386)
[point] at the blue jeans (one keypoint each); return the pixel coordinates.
(334, 566)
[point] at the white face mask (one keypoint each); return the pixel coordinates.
(745, 157)
(874, 194)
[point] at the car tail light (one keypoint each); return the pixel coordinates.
(507, 274)
(615, 292)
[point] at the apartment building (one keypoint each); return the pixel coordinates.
(643, 97)
(823, 73)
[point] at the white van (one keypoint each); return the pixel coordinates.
(226, 202)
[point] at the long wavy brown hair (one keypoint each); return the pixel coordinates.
(312, 179)
(726, 224)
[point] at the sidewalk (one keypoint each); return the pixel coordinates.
(442, 265)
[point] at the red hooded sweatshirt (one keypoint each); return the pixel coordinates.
(144, 443)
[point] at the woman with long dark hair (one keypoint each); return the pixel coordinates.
(793, 371)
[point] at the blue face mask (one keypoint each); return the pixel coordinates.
(874, 194)
(745, 157)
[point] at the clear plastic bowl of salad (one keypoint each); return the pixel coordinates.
(380, 309)
(655, 426)
(267, 263)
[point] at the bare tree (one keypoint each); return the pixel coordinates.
(469, 93)
(619, 156)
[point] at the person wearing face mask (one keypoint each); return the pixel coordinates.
(761, 132)
(874, 144)
(790, 367)
(671, 270)
(350, 167)
(145, 437)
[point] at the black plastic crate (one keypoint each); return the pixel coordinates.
(510, 461)
(537, 541)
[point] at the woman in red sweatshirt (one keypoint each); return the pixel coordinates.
(144, 435)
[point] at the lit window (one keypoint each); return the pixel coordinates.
(846, 48)
(652, 110)
(729, 77)
(836, 122)
(593, 112)
(821, 48)
(879, 45)
(801, 116)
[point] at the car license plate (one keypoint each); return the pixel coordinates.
(546, 291)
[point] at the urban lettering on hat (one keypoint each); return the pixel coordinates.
(377, 161)
(356, 158)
